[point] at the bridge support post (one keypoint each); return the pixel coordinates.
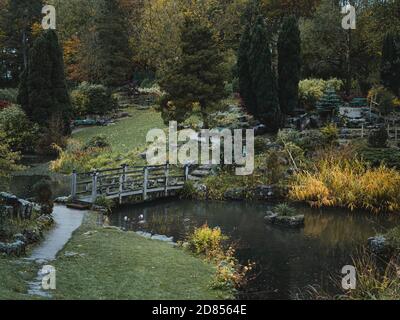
(186, 172)
(73, 185)
(94, 186)
(145, 182)
(166, 178)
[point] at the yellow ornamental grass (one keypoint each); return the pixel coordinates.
(348, 183)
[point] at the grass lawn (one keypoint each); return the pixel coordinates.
(120, 265)
(128, 133)
(12, 275)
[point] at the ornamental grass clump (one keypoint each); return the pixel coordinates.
(211, 244)
(351, 183)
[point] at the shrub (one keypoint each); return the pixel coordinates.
(9, 95)
(285, 210)
(20, 132)
(44, 196)
(188, 191)
(206, 241)
(312, 90)
(379, 138)
(330, 133)
(384, 98)
(106, 203)
(99, 141)
(52, 139)
(377, 156)
(209, 243)
(92, 99)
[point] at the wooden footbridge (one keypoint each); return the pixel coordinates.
(125, 182)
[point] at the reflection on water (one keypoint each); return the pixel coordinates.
(287, 260)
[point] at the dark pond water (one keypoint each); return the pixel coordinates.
(287, 260)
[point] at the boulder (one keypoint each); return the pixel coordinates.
(286, 221)
(236, 194)
(21, 208)
(379, 245)
(265, 192)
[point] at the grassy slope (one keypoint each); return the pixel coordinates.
(128, 133)
(119, 265)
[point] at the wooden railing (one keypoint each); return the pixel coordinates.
(126, 181)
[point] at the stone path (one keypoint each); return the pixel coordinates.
(66, 222)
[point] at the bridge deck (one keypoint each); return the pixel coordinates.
(123, 182)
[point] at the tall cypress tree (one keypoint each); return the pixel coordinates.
(390, 67)
(112, 54)
(289, 65)
(257, 80)
(43, 91)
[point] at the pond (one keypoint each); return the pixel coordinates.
(288, 261)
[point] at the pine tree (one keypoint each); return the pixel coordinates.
(197, 77)
(43, 91)
(112, 54)
(328, 105)
(390, 66)
(17, 21)
(289, 66)
(257, 80)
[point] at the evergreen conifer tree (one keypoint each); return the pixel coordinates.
(289, 66)
(112, 52)
(257, 80)
(43, 91)
(390, 66)
(328, 105)
(197, 77)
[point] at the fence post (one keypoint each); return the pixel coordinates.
(362, 131)
(396, 135)
(166, 178)
(145, 182)
(94, 186)
(121, 187)
(73, 185)
(124, 170)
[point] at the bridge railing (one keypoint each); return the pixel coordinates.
(125, 180)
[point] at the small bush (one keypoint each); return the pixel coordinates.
(104, 202)
(99, 141)
(90, 99)
(312, 90)
(330, 133)
(20, 132)
(207, 241)
(44, 196)
(384, 98)
(285, 210)
(9, 95)
(188, 191)
(378, 138)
